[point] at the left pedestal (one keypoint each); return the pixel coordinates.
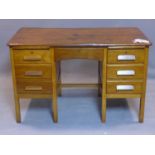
(34, 76)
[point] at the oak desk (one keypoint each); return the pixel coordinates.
(36, 51)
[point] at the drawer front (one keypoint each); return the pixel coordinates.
(127, 56)
(125, 72)
(79, 53)
(124, 87)
(31, 56)
(33, 71)
(34, 87)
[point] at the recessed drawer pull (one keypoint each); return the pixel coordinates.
(124, 87)
(33, 73)
(33, 88)
(32, 58)
(126, 57)
(125, 72)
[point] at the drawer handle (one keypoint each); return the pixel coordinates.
(33, 88)
(33, 73)
(125, 87)
(125, 72)
(126, 57)
(32, 58)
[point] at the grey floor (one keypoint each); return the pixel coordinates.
(79, 113)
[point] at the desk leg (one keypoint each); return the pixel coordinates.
(104, 81)
(17, 108)
(141, 109)
(16, 98)
(103, 94)
(99, 79)
(54, 89)
(142, 99)
(59, 79)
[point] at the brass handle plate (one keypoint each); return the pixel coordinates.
(126, 57)
(125, 87)
(33, 88)
(32, 58)
(125, 72)
(33, 73)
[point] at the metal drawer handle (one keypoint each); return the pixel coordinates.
(32, 58)
(125, 87)
(33, 88)
(33, 73)
(125, 72)
(126, 57)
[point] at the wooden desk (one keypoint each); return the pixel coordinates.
(36, 51)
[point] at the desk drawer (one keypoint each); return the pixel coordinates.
(31, 56)
(124, 87)
(33, 71)
(79, 53)
(34, 87)
(125, 72)
(120, 56)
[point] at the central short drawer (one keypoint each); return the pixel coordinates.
(28, 56)
(125, 71)
(124, 87)
(79, 53)
(34, 87)
(33, 71)
(126, 56)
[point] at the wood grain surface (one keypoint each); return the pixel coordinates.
(62, 37)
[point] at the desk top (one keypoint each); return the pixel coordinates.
(76, 37)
